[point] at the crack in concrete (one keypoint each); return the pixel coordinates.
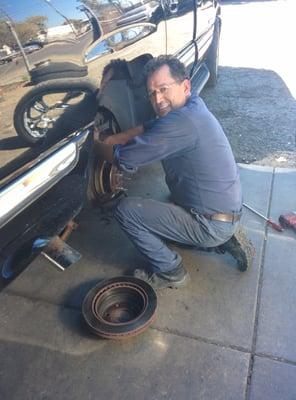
(258, 302)
(202, 339)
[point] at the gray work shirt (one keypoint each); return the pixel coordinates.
(199, 165)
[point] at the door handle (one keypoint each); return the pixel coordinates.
(173, 6)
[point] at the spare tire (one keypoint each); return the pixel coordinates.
(56, 70)
(120, 307)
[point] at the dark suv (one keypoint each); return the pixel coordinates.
(89, 70)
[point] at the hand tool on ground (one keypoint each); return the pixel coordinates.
(288, 220)
(273, 224)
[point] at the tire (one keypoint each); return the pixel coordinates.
(56, 70)
(120, 307)
(33, 128)
(212, 58)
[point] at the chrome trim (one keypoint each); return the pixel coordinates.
(187, 55)
(31, 185)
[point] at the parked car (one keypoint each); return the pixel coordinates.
(45, 182)
(5, 58)
(30, 47)
(35, 42)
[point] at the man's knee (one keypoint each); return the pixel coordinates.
(127, 208)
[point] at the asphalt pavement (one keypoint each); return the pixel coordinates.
(228, 335)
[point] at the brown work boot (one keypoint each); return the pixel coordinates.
(241, 248)
(161, 280)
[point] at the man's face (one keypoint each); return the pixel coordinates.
(165, 92)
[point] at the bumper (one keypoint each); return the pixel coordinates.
(41, 201)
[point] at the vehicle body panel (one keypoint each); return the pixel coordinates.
(206, 18)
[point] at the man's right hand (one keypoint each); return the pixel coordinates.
(102, 149)
(119, 138)
(124, 137)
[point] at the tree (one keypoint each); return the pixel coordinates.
(26, 30)
(38, 21)
(77, 23)
(5, 35)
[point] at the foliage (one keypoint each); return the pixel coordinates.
(26, 30)
(5, 35)
(77, 23)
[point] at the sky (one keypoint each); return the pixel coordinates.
(21, 9)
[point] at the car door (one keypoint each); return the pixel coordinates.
(180, 16)
(205, 21)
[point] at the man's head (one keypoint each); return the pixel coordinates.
(167, 84)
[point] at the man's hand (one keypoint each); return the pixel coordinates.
(102, 149)
(104, 146)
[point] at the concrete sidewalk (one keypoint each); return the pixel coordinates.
(228, 335)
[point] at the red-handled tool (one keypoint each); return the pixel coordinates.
(288, 220)
(273, 224)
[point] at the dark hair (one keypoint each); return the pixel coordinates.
(177, 69)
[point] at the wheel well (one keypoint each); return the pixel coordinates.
(123, 92)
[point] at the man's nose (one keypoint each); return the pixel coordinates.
(158, 97)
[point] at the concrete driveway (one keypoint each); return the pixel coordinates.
(228, 335)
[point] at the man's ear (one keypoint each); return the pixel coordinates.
(187, 87)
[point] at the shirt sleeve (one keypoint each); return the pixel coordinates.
(163, 137)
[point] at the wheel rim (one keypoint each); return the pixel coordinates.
(46, 109)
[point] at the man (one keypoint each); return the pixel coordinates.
(200, 172)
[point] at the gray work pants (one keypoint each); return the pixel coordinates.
(148, 223)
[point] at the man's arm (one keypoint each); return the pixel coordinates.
(105, 148)
(162, 138)
(124, 137)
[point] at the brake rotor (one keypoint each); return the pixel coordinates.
(120, 307)
(107, 181)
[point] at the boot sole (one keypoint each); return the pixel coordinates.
(165, 284)
(177, 285)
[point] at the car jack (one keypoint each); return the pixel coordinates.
(57, 251)
(60, 254)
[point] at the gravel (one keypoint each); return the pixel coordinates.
(253, 99)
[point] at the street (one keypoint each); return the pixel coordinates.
(71, 49)
(228, 335)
